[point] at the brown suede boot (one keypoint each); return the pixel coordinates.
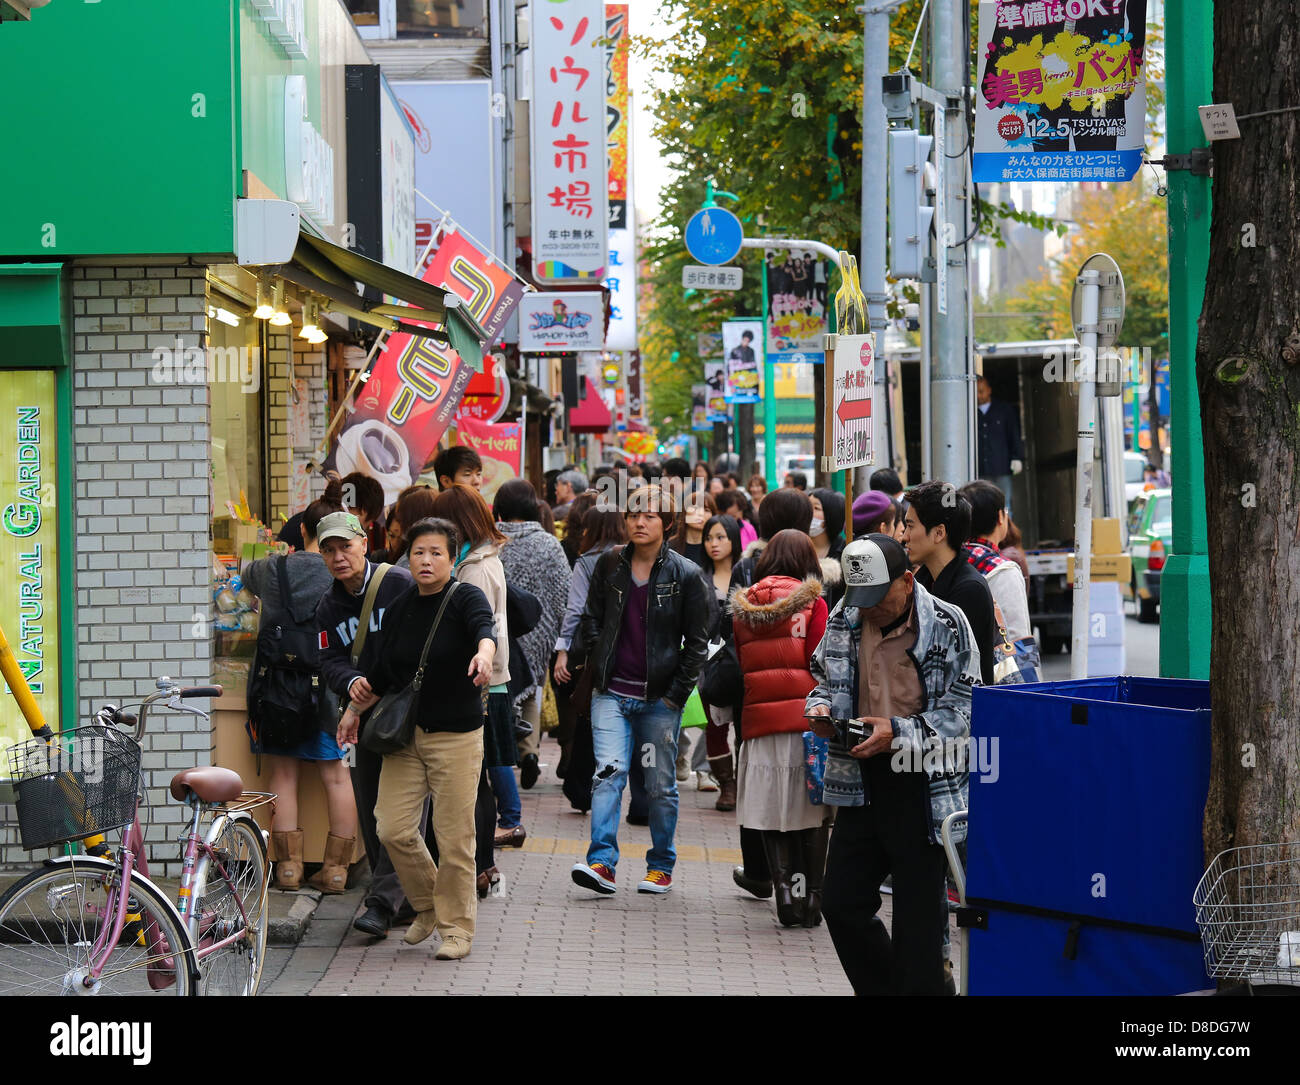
(724, 770)
(288, 854)
(333, 874)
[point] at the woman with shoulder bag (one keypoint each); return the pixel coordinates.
(778, 622)
(290, 586)
(444, 631)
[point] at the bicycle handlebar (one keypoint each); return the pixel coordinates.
(202, 691)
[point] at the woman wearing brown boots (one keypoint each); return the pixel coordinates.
(778, 623)
(307, 579)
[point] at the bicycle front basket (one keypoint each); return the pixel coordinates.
(81, 783)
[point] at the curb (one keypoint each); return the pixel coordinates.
(288, 930)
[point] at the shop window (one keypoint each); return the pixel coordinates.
(364, 12)
(437, 18)
(236, 376)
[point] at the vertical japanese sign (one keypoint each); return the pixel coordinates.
(501, 447)
(1062, 91)
(620, 275)
(29, 549)
(715, 384)
(569, 141)
(632, 372)
(796, 305)
(851, 370)
(742, 340)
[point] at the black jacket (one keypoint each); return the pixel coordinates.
(965, 588)
(337, 617)
(999, 439)
(678, 620)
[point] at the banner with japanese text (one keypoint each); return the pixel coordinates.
(569, 140)
(501, 447)
(1062, 91)
(796, 305)
(29, 546)
(489, 291)
(620, 274)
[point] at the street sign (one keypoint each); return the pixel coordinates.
(851, 374)
(487, 393)
(712, 278)
(713, 236)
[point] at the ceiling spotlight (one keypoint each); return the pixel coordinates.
(310, 329)
(280, 315)
(263, 310)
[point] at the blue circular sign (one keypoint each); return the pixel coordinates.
(713, 236)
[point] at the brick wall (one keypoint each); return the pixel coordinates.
(142, 508)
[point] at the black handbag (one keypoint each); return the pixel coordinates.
(721, 682)
(391, 724)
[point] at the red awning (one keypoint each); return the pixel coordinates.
(590, 415)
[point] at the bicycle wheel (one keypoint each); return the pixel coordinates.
(240, 878)
(51, 919)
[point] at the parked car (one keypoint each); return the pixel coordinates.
(1134, 464)
(1150, 535)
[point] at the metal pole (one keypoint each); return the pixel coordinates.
(769, 395)
(1090, 311)
(927, 350)
(951, 393)
(875, 143)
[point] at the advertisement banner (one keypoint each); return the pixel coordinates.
(501, 447)
(402, 411)
(464, 183)
(29, 548)
(742, 340)
(561, 321)
(488, 289)
(700, 407)
(852, 380)
(1062, 91)
(488, 393)
(569, 189)
(708, 344)
(715, 381)
(397, 177)
(620, 274)
(796, 305)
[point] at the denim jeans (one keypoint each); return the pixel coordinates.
(624, 729)
(506, 789)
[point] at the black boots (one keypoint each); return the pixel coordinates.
(781, 851)
(814, 844)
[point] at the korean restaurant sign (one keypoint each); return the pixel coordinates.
(569, 139)
(29, 548)
(1062, 91)
(562, 322)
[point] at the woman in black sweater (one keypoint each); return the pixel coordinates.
(445, 755)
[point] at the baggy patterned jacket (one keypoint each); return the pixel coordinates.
(936, 739)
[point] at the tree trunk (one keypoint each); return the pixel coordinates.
(1248, 375)
(1155, 454)
(719, 448)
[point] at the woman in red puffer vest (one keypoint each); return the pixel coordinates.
(778, 623)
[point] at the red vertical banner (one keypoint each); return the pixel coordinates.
(501, 447)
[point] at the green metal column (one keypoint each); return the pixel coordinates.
(1185, 585)
(769, 396)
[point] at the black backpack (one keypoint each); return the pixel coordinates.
(287, 702)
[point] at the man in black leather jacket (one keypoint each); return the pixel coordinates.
(647, 619)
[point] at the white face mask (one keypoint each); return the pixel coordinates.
(816, 527)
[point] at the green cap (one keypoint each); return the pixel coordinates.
(339, 525)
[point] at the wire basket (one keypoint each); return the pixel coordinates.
(81, 783)
(1248, 910)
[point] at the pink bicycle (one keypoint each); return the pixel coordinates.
(94, 924)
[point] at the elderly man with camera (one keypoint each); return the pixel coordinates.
(894, 675)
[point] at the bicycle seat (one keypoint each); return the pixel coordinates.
(208, 784)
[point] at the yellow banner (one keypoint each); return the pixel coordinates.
(29, 550)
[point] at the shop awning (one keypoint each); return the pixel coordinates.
(33, 307)
(590, 415)
(333, 272)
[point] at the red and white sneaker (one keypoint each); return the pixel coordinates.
(597, 877)
(655, 881)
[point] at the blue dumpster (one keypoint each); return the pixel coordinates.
(1086, 799)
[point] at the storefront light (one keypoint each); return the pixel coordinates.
(311, 330)
(263, 310)
(280, 315)
(224, 315)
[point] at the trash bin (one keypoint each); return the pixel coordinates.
(1084, 845)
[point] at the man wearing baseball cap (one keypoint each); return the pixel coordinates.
(894, 675)
(342, 540)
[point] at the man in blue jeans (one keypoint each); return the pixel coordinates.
(648, 616)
